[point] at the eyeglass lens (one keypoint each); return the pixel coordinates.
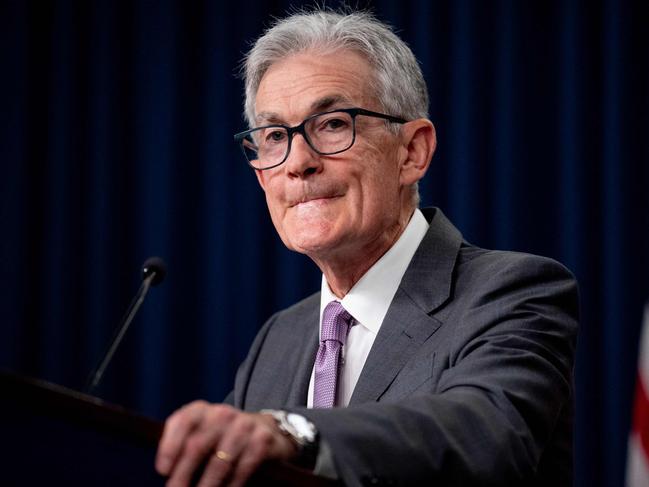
(327, 133)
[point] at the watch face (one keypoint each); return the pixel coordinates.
(302, 426)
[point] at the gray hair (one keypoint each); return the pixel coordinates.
(398, 80)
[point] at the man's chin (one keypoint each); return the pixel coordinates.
(312, 234)
(313, 245)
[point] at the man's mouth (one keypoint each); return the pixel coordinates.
(313, 199)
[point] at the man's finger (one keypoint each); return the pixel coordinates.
(217, 469)
(176, 430)
(196, 450)
(230, 447)
(260, 445)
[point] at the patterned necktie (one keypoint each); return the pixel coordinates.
(335, 325)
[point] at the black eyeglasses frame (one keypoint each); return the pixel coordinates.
(300, 129)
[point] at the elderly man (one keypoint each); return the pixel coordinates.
(423, 359)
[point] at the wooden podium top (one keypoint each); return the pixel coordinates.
(41, 397)
(55, 435)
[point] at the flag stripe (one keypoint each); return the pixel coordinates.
(637, 470)
(641, 415)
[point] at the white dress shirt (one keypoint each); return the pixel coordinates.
(368, 302)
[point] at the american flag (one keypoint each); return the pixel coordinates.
(637, 470)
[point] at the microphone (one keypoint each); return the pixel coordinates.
(154, 271)
(156, 267)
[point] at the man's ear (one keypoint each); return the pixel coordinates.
(260, 179)
(419, 142)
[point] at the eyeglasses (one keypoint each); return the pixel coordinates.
(326, 133)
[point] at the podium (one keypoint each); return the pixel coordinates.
(55, 436)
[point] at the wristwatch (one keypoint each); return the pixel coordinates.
(301, 432)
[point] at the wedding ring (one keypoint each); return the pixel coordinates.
(223, 456)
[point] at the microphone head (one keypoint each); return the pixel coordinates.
(154, 266)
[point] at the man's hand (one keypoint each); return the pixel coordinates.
(230, 443)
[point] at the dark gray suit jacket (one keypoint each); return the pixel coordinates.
(469, 381)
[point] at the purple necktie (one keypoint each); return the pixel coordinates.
(335, 325)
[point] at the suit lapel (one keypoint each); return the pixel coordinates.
(425, 286)
(298, 393)
(404, 329)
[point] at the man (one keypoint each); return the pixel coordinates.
(423, 359)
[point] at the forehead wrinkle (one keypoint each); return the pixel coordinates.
(328, 101)
(321, 104)
(297, 87)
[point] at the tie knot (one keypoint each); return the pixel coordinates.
(335, 322)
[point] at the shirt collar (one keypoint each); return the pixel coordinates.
(368, 301)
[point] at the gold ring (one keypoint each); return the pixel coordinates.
(223, 456)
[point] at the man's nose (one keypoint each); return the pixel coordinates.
(302, 161)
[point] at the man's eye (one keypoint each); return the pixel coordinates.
(334, 124)
(275, 136)
(250, 144)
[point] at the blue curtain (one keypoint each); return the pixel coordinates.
(116, 144)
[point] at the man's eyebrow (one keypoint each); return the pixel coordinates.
(268, 117)
(327, 102)
(319, 105)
